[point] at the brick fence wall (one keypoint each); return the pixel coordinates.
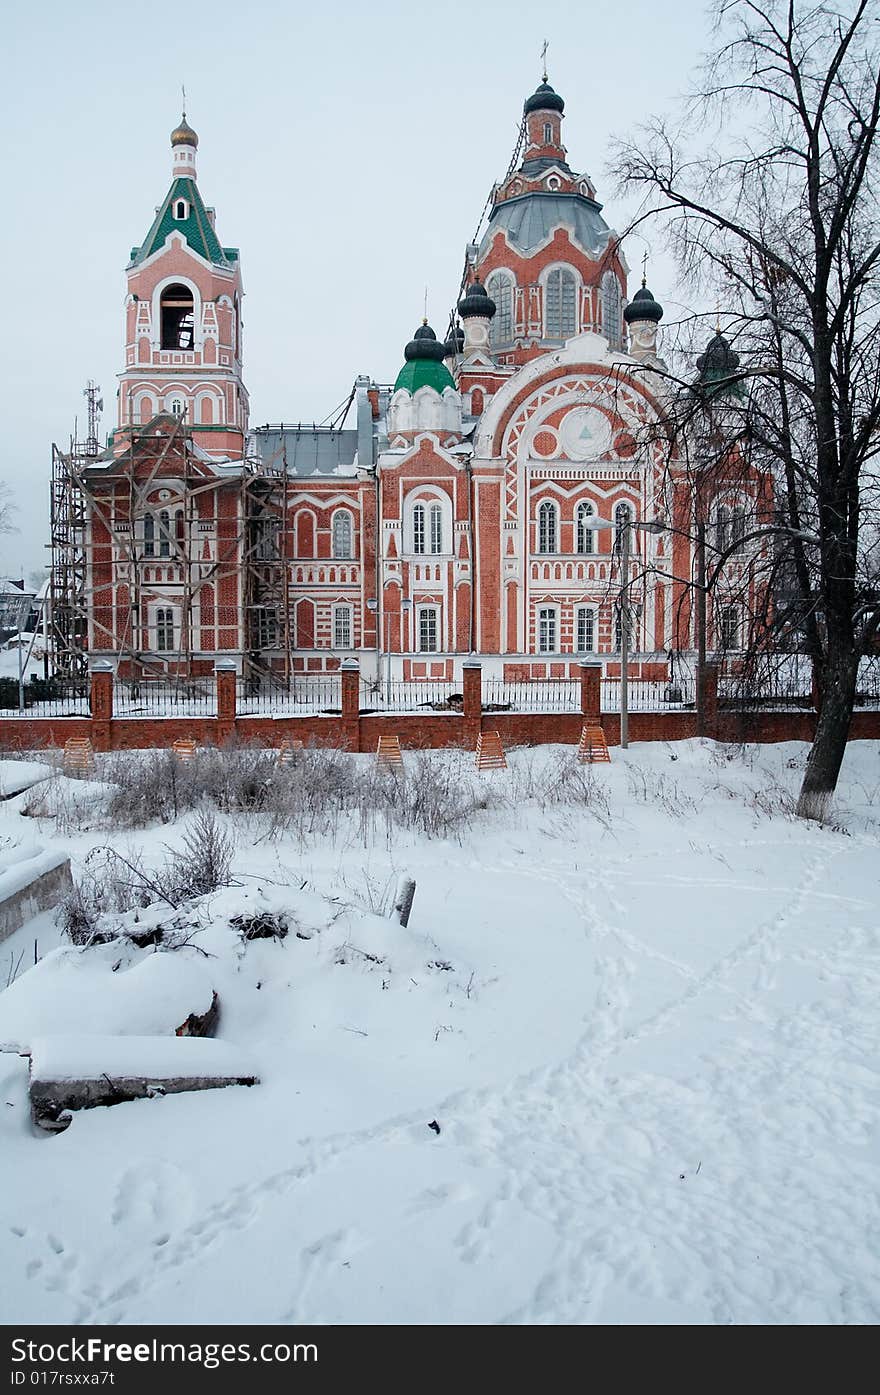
(356, 731)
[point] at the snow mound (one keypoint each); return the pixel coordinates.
(154, 1058)
(83, 991)
(18, 775)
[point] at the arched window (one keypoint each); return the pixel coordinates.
(585, 629)
(622, 520)
(436, 520)
(611, 308)
(177, 318)
(584, 533)
(419, 528)
(730, 528)
(144, 410)
(547, 638)
(560, 304)
(179, 530)
(180, 209)
(548, 133)
(342, 539)
(499, 288)
(164, 534)
(177, 406)
(149, 535)
(547, 527)
(165, 629)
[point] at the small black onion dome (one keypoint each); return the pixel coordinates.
(476, 301)
(424, 345)
(643, 306)
(454, 344)
(718, 361)
(544, 99)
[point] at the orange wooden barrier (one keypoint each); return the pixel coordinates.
(288, 749)
(79, 757)
(388, 751)
(184, 749)
(592, 746)
(490, 752)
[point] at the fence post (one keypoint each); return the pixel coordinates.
(226, 676)
(350, 677)
(472, 692)
(709, 677)
(591, 689)
(101, 702)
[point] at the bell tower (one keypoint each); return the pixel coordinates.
(183, 351)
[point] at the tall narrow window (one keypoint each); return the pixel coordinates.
(500, 289)
(560, 304)
(149, 535)
(164, 534)
(176, 314)
(586, 629)
(547, 630)
(622, 521)
(342, 534)
(342, 627)
(428, 629)
(164, 629)
(419, 528)
(583, 531)
(266, 627)
(179, 528)
(547, 527)
(436, 516)
(730, 627)
(611, 308)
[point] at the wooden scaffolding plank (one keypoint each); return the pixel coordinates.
(490, 753)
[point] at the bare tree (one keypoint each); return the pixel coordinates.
(7, 509)
(776, 217)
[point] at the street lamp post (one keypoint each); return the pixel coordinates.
(385, 639)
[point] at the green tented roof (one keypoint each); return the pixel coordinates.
(196, 228)
(424, 372)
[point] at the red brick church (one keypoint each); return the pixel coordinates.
(475, 507)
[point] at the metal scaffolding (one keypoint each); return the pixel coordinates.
(99, 507)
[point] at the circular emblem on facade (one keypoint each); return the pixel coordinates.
(585, 433)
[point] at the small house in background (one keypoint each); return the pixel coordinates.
(16, 604)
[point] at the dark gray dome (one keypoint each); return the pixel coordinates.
(424, 345)
(475, 301)
(643, 306)
(454, 343)
(544, 99)
(719, 359)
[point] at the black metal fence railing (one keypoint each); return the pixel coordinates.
(301, 696)
(45, 697)
(786, 680)
(165, 697)
(542, 695)
(649, 694)
(418, 695)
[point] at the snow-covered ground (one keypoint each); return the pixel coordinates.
(646, 1027)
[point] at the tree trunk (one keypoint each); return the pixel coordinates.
(832, 731)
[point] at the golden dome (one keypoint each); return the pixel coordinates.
(184, 135)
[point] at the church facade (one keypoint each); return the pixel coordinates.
(478, 506)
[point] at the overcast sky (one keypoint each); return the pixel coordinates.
(348, 149)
